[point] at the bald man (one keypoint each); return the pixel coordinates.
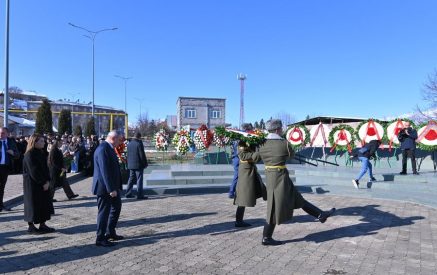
(107, 186)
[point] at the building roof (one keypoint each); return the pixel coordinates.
(23, 122)
(329, 120)
(72, 103)
(202, 98)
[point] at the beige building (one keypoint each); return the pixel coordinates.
(195, 111)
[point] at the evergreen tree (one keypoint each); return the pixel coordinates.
(307, 117)
(262, 124)
(64, 122)
(256, 125)
(78, 130)
(90, 128)
(44, 122)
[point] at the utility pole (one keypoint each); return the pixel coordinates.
(242, 78)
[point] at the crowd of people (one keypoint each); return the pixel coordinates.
(64, 154)
(45, 159)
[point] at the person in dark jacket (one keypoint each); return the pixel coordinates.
(407, 138)
(235, 164)
(8, 151)
(38, 206)
(365, 153)
(107, 188)
(136, 163)
(58, 171)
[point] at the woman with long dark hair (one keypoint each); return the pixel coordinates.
(38, 206)
(58, 171)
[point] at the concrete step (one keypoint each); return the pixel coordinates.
(190, 189)
(189, 180)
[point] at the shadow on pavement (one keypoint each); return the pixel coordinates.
(372, 221)
(164, 219)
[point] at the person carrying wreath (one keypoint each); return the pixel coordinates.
(249, 186)
(282, 195)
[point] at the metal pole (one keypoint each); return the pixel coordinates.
(6, 94)
(92, 110)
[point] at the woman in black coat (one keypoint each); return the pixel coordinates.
(38, 206)
(58, 176)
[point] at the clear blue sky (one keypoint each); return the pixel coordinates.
(342, 58)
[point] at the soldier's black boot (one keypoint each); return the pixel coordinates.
(267, 235)
(239, 217)
(314, 211)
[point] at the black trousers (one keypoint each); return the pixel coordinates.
(4, 173)
(109, 209)
(408, 153)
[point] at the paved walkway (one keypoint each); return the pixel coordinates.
(195, 235)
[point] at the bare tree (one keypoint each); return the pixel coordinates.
(286, 118)
(429, 95)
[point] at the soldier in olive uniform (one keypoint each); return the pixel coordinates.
(282, 195)
(250, 186)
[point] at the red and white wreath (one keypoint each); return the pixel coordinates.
(203, 138)
(370, 130)
(298, 136)
(161, 140)
(182, 141)
(342, 138)
(393, 129)
(427, 136)
(220, 140)
(319, 135)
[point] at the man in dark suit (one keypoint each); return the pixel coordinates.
(136, 163)
(8, 151)
(407, 137)
(107, 187)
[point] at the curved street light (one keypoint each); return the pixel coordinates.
(125, 79)
(92, 36)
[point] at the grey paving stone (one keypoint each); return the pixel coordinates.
(195, 235)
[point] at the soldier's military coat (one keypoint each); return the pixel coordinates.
(282, 195)
(250, 186)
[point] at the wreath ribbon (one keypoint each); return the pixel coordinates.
(296, 130)
(371, 122)
(200, 133)
(399, 123)
(342, 132)
(317, 133)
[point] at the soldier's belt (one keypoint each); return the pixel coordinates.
(246, 161)
(278, 167)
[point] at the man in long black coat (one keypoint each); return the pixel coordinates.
(407, 136)
(136, 163)
(8, 151)
(107, 187)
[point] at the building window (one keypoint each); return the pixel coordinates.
(190, 113)
(215, 114)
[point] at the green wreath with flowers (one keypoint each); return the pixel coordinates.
(337, 147)
(424, 146)
(304, 142)
(253, 138)
(396, 145)
(384, 138)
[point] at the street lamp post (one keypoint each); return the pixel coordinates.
(6, 94)
(140, 100)
(92, 36)
(73, 95)
(125, 79)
